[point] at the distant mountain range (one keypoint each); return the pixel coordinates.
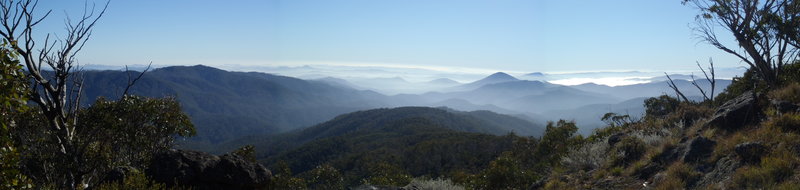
(225, 105)
(228, 105)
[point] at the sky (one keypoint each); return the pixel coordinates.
(496, 35)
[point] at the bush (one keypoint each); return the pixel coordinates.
(506, 173)
(326, 177)
(135, 180)
(660, 106)
(740, 85)
(790, 73)
(587, 157)
(627, 151)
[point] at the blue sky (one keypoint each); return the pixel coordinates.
(502, 35)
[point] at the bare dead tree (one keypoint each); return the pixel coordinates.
(712, 81)
(766, 31)
(675, 88)
(50, 90)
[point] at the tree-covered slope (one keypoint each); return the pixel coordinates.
(416, 140)
(225, 105)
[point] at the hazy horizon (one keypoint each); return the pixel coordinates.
(463, 36)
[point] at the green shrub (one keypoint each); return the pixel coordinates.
(660, 106)
(326, 177)
(627, 151)
(740, 85)
(135, 180)
(790, 73)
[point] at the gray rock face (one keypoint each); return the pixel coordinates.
(721, 175)
(201, 170)
(784, 106)
(735, 113)
(699, 149)
(750, 152)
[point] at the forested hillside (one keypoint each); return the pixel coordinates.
(225, 105)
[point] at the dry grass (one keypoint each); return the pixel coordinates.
(679, 175)
(773, 170)
(788, 93)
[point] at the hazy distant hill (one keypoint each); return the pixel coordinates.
(498, 77)
(557, 98)
(224, 105)
(653, 89)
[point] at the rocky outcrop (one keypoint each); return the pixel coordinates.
(698, 150)
(200, 170)
(720, 175)
(615, 138)
(735, 113)
(750, 152)
(785, 106)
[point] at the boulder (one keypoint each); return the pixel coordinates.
(785, 106)
(615, 138)
(735, 113)
(721, 175)
(698, 150)
(750, 152)
(200, 170)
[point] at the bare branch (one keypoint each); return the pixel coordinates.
(675, 88)
(132, 81)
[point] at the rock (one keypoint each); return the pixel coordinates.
(784, 106)
(735, 113)
(720, 175)
(615, 138)
(200, 170)
(750, 152)
(698, 150)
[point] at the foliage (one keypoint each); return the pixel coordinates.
(248, 152)
(282, 178)
(660, 106)
(506, 172)
(627, 151)
(109, 134)
(766, 32)
(12, 99)
(134, 181)
(790, 73)
(586, 157)
(530, 160)
(326, 177)
(740, 85)
(385, 174)
(559, 137)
